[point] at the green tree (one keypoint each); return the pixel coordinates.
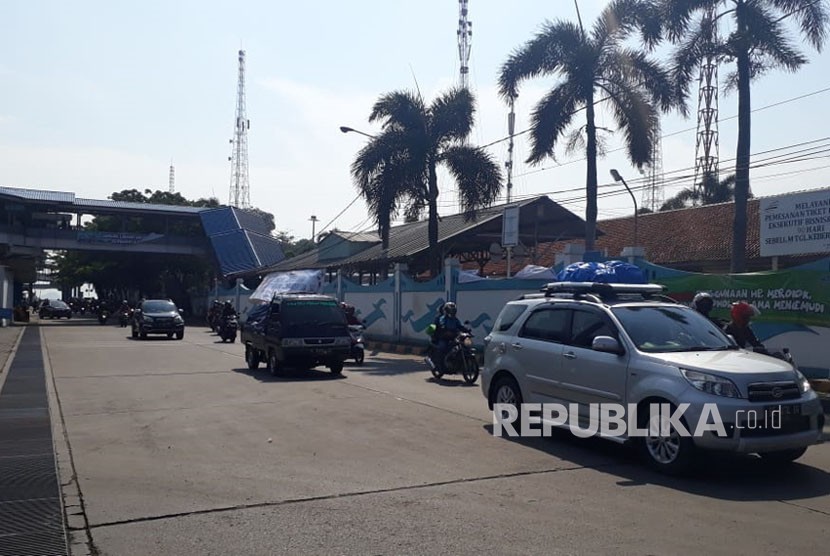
(291, 246)
(710, 192)
(399, 167)
(591, 67)
(757, 42)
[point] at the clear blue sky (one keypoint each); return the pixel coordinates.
(98, 96)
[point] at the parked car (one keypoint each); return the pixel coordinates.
(297, 330)
(587, 343)
(54, 309)
(157, 316)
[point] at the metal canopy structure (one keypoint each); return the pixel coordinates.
(541, 220)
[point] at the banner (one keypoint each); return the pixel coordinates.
(798, 296)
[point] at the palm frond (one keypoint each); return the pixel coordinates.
(635, 67)
(677, 15)
(620, 18)
(767, 39)
(401, 110)
(546, 53)
(451, 116)
(813, 17)
(550, 118)
(477, 174)
(637, 119)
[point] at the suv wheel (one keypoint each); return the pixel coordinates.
(782, 457)
(672, 454)
(336, 368)
(506, 391)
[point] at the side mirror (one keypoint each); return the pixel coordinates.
(466, 323)
(607, 344)
(732, 339)
(181, 312)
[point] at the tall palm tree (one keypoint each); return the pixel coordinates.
(757, 42)
(711, 191)
(399, 166)
(592, 67)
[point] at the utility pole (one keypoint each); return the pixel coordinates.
(313, 221)
(240, 195)
(171, 182)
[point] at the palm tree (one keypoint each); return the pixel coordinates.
(711, 191)
(398, 167)
(592, 67)
(757, 42)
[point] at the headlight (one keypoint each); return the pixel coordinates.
(178, 320)
(711, 384)
(292, 342)
(343, 341)
(803, 383)
(145, 318)
(468, 342)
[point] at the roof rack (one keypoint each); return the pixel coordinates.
(599, 291)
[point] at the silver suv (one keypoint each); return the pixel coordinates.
(588, 344)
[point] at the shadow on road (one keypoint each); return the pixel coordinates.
(291, 375)
(386, 366)
(723, 476)
(451, 381)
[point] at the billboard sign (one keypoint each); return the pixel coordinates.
(795, 224)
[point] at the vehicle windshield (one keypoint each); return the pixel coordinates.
(661, 329)
(59, 304)
(158, 307)
(312, 312)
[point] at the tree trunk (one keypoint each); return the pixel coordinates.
(591, 178)
(434, 255)
(741, 162)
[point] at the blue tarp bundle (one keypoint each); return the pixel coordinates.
(610, 272)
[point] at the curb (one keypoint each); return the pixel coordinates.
(400, 349)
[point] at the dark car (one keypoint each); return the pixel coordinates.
(297, 330)
(157, 316)
(54, 309)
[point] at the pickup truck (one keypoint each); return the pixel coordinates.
(298, 330)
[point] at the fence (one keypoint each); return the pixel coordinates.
(794, 304)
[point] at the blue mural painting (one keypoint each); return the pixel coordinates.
(480, 320)
(420, 324)
(376, 315)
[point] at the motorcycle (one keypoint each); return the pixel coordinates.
(460, 358)
(103, 316)
(228, 327)
(358, 347)
(124, 318)
(783, 355)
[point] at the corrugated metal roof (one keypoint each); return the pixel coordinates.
(357, 237)
(408, 240)
(38, 195)
(219, 220)
(234, 252)
(252, 221)
(268, 250)
(140, 207)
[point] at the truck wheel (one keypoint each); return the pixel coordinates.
(252, 358)
(273, 364)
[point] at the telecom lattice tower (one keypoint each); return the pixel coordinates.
(171, 182)
(240, 194)
(707, 146)
(465, 35)
(653, 196)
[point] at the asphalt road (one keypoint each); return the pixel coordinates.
(179, 449)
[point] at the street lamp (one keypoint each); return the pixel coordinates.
(346, 129)
(313, 221)
(618, 178)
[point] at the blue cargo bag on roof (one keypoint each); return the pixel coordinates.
(611, 272)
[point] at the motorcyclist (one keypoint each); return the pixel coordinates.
(742, 312)
(124, 307)
(703, 304)
(351, 317)
(228, 310)
(448, 328)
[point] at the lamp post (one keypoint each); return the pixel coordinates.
(618, 178)
(346, 129)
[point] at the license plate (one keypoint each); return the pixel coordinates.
(783, 410)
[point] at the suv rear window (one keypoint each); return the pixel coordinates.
(508, 316)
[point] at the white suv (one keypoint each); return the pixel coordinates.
(587, 344)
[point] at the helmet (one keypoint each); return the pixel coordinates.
(742, 312)
(350, 309)
(450, 309)
(703, 302)
(228, 303)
